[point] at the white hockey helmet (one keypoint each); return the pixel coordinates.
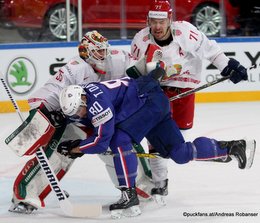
(94, 49)
(70, 99)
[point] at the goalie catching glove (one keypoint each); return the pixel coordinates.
(235, 70)
(65, 148)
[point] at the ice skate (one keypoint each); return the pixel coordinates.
(242, 150)
(128, 204)
(160, 191)
(22, 208)
(226, 159)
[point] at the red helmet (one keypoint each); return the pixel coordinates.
(160, 9)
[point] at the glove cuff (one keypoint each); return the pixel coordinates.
(221, 61)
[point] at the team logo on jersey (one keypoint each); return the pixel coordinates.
(21, 75)
(172, 71)
(145, 38)
(102, 117)
(74, 62)
(177, 32)
(114, 52)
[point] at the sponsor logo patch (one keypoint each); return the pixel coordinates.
(102, 117)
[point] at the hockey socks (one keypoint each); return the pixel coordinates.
(201, 148)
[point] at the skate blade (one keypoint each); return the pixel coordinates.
(250, 153)
(21, 210)
(129, 212)
(159, 199)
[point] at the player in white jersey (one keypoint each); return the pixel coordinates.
(95, 62)
(184, 47)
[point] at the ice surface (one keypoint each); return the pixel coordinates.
(196, 188)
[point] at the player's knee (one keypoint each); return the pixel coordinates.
(179, 159)
(182, 153)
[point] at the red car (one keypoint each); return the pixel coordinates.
(48, 17)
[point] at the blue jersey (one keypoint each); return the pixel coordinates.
(108, 104)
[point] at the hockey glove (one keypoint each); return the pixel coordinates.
(65, 148)
(57, 118)
(235, 70)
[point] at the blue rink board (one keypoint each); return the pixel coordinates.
(112, 42)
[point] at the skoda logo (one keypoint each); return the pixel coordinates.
(21, 75)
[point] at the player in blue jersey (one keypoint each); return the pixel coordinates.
(126, 110)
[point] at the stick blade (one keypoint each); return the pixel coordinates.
(85, 211)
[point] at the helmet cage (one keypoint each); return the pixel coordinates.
(90, 49)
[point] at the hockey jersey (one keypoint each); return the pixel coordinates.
(109, 103)
(184, 55)
(78, 71)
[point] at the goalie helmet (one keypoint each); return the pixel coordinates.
(160, 9)
(94, 49)
(70, 99)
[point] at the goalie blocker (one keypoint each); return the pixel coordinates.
(34, 131)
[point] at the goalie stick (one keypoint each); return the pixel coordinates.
(90, 210)
(184, 94)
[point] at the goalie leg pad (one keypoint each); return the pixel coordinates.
(31, 185)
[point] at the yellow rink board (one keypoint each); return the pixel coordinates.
(240, 96)
(209, 97)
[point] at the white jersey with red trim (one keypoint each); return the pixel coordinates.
(184, 55)
(118, 62)
(77, 71)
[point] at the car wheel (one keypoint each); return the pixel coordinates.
(55, 23)
(207, 18)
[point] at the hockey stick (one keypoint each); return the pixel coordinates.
(184, 94)
(140, 155)
(66, 206)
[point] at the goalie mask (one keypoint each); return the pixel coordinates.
(71, 100)
(94, 49)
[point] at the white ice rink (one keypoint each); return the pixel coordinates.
(197, 187)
